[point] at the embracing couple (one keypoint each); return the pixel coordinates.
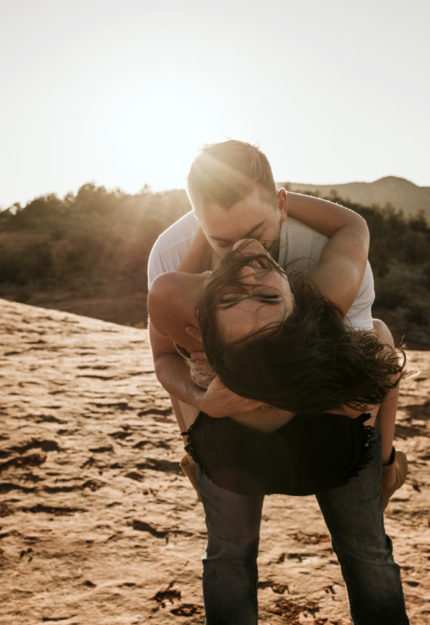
(281, 381)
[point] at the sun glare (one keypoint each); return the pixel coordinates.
(152, 137)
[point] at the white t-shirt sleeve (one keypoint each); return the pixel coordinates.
(171, 246)
(360, 313)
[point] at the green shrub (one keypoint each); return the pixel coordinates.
(99, 241)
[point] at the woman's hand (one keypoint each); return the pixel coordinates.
(343, 260)
(218, 401)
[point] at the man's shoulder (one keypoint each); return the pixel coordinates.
(171, 246)
(181, 230)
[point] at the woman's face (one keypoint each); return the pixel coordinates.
(263, 298)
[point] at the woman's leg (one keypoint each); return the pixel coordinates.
(230, 562)
(354, 517)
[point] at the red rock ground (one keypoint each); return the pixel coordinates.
(99, 527)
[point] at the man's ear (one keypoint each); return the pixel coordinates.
(283, 203)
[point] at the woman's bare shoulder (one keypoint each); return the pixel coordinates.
(165, 283)
(172, 302)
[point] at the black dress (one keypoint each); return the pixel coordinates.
(307, 455)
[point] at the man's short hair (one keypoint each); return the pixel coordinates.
(225, 173)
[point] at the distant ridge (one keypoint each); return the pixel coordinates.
(397, 192)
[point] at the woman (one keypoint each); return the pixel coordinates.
(245, 307)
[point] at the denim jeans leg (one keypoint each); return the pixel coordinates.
(230, 562)
(354, 517)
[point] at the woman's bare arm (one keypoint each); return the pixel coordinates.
(342, 263)
(170, 312)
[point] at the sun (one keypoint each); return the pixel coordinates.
(152, 136)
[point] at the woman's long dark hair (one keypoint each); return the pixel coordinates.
(310, 362)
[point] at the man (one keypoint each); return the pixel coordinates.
(234, 196)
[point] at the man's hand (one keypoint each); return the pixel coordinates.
(219, 401)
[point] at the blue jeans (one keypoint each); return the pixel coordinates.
(353, 514)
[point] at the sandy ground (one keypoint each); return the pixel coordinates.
(99, 527)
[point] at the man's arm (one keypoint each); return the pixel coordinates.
(173, 373)
(218, 401)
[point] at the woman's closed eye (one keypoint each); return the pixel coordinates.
(228, 301)
(269, 298)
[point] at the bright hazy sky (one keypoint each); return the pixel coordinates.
(124, 93)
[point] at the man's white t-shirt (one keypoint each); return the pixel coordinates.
(299, 246)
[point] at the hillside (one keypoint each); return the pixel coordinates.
(87, 253)
(399, 193)
(98, 525)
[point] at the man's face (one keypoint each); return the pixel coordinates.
(258, 216)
